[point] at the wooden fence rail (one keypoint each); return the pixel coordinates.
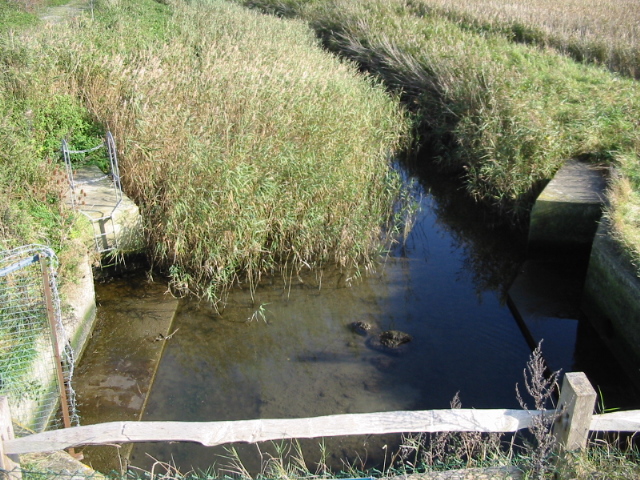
(252, 431)
(574, 421)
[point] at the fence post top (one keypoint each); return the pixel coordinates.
(580, 379)
(575, 406)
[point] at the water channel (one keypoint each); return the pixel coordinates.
(290, 352)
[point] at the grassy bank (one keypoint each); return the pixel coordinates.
(593, 31)
(503, 114)
(248, 149)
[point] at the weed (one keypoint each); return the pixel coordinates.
(541, 388)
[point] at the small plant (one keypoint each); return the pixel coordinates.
(541, 388)
(448, 450)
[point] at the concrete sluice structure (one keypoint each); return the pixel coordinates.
(576, 272)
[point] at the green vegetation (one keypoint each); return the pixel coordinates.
(248, 149)
(12, 17)
(504, 115)
(601, 32)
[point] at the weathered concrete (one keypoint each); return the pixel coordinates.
(565, 215)
(117, 373)
(611, 300)
(78, 305)
(96, 199)
(59, 465)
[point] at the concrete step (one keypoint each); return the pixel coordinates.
(96, 198)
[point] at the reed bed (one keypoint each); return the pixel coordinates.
(248, 148)
(504, 115)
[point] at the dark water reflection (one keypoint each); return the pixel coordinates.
(444, 286)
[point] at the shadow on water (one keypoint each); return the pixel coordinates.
(290, 351)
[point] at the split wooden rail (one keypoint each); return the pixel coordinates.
(574, 419)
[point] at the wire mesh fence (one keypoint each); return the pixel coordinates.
(36, 360)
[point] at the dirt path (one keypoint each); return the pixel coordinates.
(74, 8)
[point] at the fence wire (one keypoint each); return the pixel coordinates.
(28, 361)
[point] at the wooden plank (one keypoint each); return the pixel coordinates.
(251, 431)
(576, 403)
(616, 422)
(6, 434)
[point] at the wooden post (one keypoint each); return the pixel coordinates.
(64, 405)
(48, 295)
(577, 400)
(7, 464)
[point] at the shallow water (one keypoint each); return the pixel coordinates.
(289, 351)
(298, 357)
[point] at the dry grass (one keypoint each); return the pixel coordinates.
(601, 31)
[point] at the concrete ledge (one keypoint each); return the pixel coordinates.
(78, 301)
(57, 465)
(565, 215)
(96, 199)
(611, 300)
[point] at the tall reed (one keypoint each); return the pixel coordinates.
(247, 148)
(505, 115)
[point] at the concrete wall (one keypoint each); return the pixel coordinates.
(78, 303)
(611, 300)
(565, 216)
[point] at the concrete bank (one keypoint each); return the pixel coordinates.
(611, 300)
(120, 352)
(80, 312)
(78, 294)
(565, 215)
(576, 272)
(545, 297)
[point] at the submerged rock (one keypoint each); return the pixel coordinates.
(393, 342)
(361, 328)
(394, 338)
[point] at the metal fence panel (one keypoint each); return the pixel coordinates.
(34, 374)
